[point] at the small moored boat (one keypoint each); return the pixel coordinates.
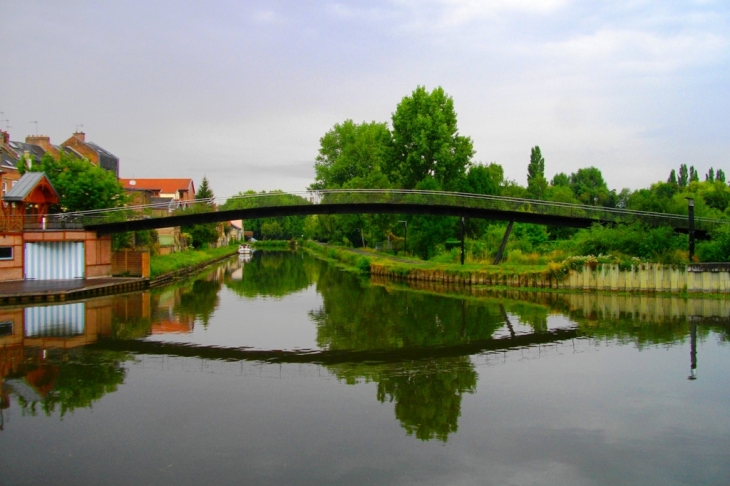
(245, 250)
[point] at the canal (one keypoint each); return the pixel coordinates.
(288, 370)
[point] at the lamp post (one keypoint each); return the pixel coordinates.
(691, 216)
(405, 242)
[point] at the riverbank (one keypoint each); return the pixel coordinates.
(579, 274)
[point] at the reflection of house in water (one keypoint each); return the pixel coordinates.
(35, 342)
(165, 318)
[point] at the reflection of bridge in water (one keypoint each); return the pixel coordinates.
(368, 201)
(327, 357)
(41, 345)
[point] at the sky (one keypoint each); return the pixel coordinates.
(241, 91)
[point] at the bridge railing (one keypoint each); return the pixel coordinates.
(388, 196)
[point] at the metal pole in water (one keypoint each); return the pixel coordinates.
(693, 352)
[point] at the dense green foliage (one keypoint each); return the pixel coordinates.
(202, 234)
(81, 185)
(284, 228)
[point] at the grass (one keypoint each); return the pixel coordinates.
(397, 265)
(162, 264)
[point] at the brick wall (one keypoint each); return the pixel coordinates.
(12, 269)
(132, 263)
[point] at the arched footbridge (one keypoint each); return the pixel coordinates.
(370, 201)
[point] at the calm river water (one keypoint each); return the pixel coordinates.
(287, 370)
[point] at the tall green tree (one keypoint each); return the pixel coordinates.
(672, 177)
(536, 183)
(683, 176)
(426, 141)
(693, 175)
(204, 191)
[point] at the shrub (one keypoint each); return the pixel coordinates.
(363, 264)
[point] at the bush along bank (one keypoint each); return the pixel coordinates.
(175, 265)
(276, 244)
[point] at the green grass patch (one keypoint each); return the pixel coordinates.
(162, 264)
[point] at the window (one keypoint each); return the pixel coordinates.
(5, 188)
(6, 328)
(6, 252)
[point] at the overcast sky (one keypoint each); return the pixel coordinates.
(241, 91)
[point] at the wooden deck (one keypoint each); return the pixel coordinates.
(28, 291)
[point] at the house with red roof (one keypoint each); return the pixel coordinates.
(165, 195)
(181, 190)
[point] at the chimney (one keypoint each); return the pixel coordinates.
(81, 136)
(4, 137)
(43, 141)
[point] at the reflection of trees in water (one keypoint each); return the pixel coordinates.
(427, 393)
(355, 315)
(70, 380)
(642, 320)
(200, 300)
(427, 396)
(274, 274)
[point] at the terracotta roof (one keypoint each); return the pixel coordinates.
(165, 186)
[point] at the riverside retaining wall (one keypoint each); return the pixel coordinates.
(650, 277)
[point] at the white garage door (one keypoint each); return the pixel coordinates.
(61, 260)
(55, 320)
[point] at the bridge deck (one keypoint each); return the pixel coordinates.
(367, 201)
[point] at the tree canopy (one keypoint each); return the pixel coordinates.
(426, 141)
(80, 184)
(354, 156)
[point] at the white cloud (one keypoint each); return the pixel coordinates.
(632, 51)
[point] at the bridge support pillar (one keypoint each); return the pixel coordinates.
(498, 258)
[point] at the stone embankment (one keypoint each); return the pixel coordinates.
(649, 277)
